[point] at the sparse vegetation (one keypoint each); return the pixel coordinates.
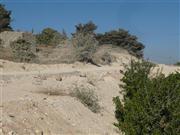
(5, 19)
(82, 46)
(23, 50)
(51, 37)
(151, 105)
(85, 46)
(123, 39)
(87, 97)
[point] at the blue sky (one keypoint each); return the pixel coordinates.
(154, 22)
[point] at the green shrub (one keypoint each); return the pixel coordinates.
(85, 47)
(22, 50)
(5, 19)
(151, 106)
(50, 36)
(122, 39)
(87, 97)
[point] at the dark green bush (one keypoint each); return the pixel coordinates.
(50, 36)
(87, 28)
(5, 19)
(85, 47)
(23, 50)
(151, 105)
(122, 39)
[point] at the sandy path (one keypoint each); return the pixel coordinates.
(165, 69)
(61, 71)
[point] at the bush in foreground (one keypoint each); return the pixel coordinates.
(87, 97)
(151, 106)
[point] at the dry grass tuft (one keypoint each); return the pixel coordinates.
(87, 97)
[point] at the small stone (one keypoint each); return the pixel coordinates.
(121, 71)
(24, 120)
(1, 132)
(12, 116)
(83, 75)
(11, 133)
(59, 78)
(38, 132)
(73, 124)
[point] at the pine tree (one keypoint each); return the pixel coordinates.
(5, 19)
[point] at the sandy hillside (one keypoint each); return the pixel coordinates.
(35, 99)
